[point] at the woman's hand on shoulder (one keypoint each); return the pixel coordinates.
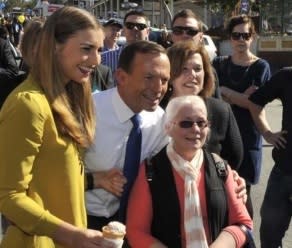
(240, 188)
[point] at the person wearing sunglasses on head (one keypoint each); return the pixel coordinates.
(240, 74)
(173, 202)
(135, 28)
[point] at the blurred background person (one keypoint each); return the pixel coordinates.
(112, 32)
(135, 28)
(102, 78)
(8, 67)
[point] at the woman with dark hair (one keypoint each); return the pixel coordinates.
(242, 73)
(44, 124)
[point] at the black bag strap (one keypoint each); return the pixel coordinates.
(221, 166)
(149, 170)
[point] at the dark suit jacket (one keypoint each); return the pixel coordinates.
(8, 70)
(102, 78)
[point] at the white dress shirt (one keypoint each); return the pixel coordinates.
(113, 126)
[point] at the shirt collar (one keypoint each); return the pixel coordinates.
(123, 112)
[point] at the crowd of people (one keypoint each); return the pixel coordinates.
(161, 139)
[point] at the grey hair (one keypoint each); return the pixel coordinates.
(177, 103)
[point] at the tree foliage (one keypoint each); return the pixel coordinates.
(19, 3)
(227, 6)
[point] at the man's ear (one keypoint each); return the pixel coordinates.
(168, 128)
(121, 76)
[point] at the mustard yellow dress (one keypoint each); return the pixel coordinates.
(41, 177)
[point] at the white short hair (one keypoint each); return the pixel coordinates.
(177, 103)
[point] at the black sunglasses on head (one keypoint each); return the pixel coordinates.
(237, 35)
(179, 30)
(189, 124)
(132, 25)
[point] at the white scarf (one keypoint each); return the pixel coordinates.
(193, 221)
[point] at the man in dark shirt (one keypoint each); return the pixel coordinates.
(276, 210)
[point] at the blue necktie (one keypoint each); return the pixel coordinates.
(132, 162)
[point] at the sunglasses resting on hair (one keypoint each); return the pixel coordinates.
(237, 35)
(132, 25)
(189, 124)
(179, 30)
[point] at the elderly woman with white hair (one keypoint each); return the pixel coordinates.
(184, 196)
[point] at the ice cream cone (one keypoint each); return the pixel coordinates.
(115, 233)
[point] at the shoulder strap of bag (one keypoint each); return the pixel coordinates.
(221, 166)
(149, 170)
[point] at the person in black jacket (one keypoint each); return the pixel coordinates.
(191, 74)
(8, 70)
(102, 78)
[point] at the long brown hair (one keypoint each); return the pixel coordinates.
(30, 38)
(71, 102)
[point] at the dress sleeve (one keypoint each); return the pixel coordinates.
(22, 121)
(139, 213)
(238, 214)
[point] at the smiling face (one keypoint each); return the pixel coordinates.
(241, 45)
(112, 33)
(80, 54)
(191, 79)
(187, 141)
(145, 84)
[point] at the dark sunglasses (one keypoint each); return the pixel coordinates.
(237, 35)
(178, 30)
(190, 124)
(132, 25)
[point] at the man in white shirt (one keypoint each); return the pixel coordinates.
(142, 76)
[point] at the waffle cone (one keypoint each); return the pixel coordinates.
(110, 234)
